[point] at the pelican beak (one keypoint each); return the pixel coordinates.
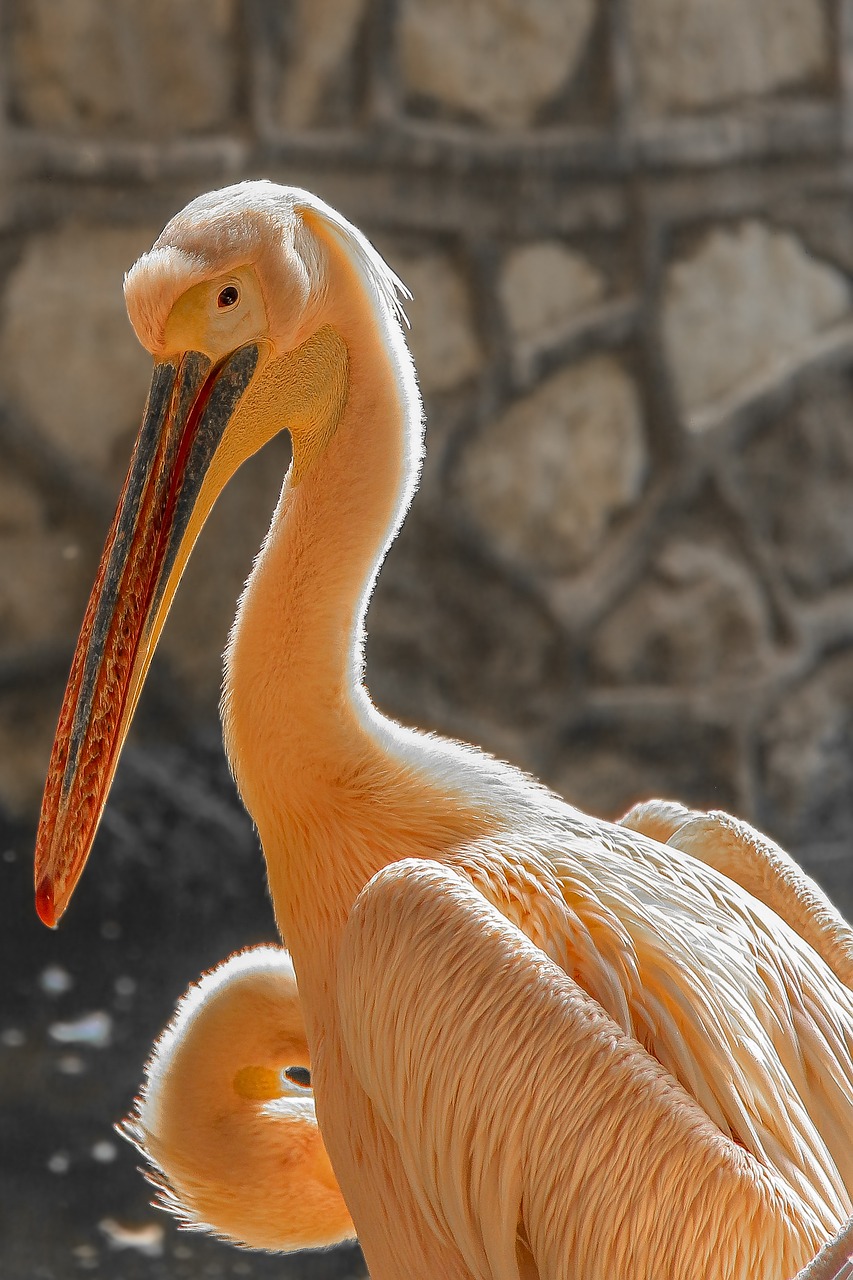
(166, 497)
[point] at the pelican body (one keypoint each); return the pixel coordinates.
(541, 1045)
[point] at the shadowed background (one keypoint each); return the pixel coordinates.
(627, 228)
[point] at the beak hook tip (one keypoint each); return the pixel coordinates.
(45, 905)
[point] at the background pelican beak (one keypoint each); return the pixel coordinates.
(190, 404)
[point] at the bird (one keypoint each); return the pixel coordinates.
(225, 1119)
(542, 1045)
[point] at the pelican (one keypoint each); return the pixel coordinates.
(224, 1123)
(541, 1045)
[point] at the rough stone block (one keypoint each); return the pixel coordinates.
(691, 54)
(155, 68)
(493, 59)
(544, 482)
(68, 355)
(320, 39)
(747, 298)
(696, 618)
(544, 287)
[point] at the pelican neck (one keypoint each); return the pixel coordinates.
(294, 696)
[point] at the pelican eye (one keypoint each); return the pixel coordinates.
(228, 297)
(299, 1075)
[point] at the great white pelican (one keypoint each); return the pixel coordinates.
(541, 1045)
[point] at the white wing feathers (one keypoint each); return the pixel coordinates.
(528, 1122)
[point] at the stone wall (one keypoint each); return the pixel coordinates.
(627, 228)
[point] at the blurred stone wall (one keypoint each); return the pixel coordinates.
(627, 228)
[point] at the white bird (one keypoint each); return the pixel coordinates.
(223, 1119)
(541, 1045)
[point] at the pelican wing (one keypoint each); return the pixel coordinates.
(733, 1003)
(529, 1124)
(755, 862)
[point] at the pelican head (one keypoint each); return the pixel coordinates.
(239, 302)
(233, 1139)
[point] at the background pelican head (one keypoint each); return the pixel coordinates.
(240, 301)
(232, 1138)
